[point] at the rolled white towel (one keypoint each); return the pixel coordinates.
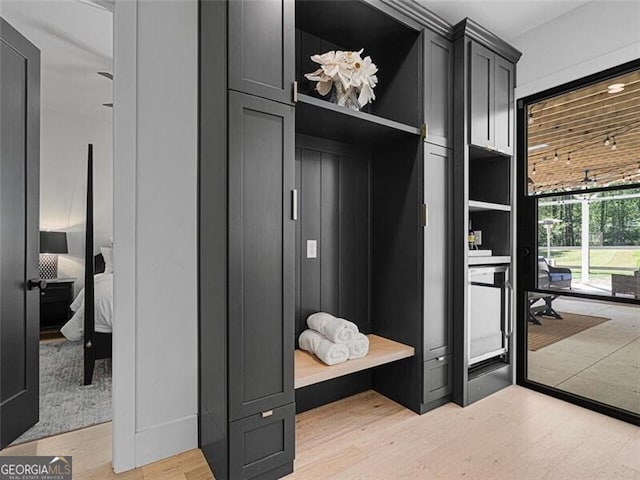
(327, 351)
(358, 346)
(338, 330)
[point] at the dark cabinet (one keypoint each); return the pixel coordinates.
(481, 199)
(504, 109)
(263, 445)
(491, 103)
(438, 89)
(55, 301)
(481, 90)
(437, 379)
(437, 162)
(261, 255)
(261, 48)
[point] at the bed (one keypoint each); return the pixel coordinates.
(92, 321)
(73, 330)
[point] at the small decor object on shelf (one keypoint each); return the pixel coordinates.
(350, 77)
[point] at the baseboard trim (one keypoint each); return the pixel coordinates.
(166, 440)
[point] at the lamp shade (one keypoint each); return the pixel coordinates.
(53, 242)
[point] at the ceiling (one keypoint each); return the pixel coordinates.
(507, 18)
(576, 125)
(75, 38)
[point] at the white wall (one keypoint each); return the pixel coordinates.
(155, 230)
(591, 38)
(63, 183)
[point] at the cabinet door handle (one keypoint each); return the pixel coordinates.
(425, 215)
(294, 204)
(267, 413)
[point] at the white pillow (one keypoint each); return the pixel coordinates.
(107, 254)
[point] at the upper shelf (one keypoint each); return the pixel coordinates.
(477, 206)
(393, 42)
(309, 370)
(321, 118)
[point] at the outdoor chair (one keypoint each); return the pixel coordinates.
(553, 277)
(629, 284)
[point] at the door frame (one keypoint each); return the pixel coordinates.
(526, 211)
(125, 30)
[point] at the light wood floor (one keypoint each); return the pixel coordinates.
(91, 452)
(514, 434)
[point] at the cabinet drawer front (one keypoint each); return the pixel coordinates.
(55, 293)
(261, 255)
(437, 378)
(262, 442)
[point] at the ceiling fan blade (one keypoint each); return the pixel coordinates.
(106, 75)
(109, 105)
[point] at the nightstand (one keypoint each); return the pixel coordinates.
(55, 301)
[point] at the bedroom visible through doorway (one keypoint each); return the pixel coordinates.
(75, 39)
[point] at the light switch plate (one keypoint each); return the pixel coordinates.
(478, 234)
(312, 249)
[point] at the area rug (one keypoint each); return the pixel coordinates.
(66, 404)
(553, 330)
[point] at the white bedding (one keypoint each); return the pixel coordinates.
(103, 295)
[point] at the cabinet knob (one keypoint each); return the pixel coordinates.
(440, 358)
(88, 345)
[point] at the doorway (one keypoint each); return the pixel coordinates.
(74, 38)
(578, 296)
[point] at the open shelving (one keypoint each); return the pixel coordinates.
(327, 120)
(393, 45)
(310, 370)
(358, 175)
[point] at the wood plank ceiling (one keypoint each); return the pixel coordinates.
(576, 125)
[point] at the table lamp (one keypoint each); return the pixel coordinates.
(51, 244)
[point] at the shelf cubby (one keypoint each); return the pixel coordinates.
(327, 120)
(393, 45)
(489, 177)
(496, 230)
(309, 370)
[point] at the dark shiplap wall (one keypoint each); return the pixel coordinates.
(333, 184)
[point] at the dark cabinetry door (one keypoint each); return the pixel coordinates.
(438, 88)
(261, 255)
(263, 445)
(504, 121)
(261, 48)
(437, 162)
(491, 88)
(482, 91)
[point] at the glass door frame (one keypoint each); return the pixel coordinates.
(527, 246)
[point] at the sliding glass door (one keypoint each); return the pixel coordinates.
(578, 238)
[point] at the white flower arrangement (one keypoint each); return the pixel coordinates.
(349, 73)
